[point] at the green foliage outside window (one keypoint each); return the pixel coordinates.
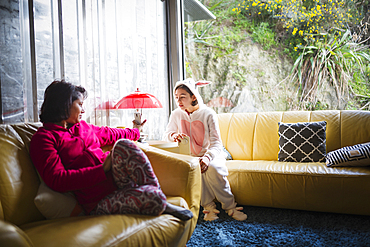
(305, 21)
(326, 45)
(327, 39)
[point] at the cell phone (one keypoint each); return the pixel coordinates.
(138, 118)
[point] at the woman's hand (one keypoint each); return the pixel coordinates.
(178, 136)
(107, 165)
(137, 125)
(204, 163)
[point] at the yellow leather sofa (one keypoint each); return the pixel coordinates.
(257, 178)
(21, 224)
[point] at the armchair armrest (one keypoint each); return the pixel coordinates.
(182, 147)
(11, 235)
(178, 175)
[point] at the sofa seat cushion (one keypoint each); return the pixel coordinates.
(303, 186)
(309, 168)
(109, 230)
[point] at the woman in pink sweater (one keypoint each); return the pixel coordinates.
(67, 153)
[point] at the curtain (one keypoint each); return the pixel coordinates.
(110, 47)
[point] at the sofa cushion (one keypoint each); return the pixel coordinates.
(111, 230)
(18, 177)
(54, 205)
(357, 155)
(303, 186)
(302, 142)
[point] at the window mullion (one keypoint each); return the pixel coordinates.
(57, 33)
(33, 62)
(29, 60)
(176, 43)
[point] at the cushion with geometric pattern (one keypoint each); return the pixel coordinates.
(357, 155)
(302, 142)
(227, 154)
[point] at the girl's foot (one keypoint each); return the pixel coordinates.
(210, 212)
(237, 214)
(179, 212)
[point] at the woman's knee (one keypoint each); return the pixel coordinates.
(126, 144)
(126, 150)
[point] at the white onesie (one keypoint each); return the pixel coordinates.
(205, 141)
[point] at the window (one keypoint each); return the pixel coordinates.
(109, 47)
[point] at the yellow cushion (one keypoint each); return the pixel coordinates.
(254, 136)
(109, 230)
(19, 180)
(303, 186)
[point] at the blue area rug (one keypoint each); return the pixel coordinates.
(282, 227)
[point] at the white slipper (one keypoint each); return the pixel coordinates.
(237, 214)
(210, 212)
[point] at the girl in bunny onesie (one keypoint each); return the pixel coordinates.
(194, 119)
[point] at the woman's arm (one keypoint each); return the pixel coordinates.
(109, 136)
(48, 163)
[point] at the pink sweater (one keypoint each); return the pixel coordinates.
(71, 159)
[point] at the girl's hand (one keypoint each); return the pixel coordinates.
(178, 136)
(204, 163)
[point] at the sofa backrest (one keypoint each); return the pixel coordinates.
(19, 181)
(254, 136)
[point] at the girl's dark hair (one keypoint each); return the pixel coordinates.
(58, 99)
(182, 86)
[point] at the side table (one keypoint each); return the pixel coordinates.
(182, 147)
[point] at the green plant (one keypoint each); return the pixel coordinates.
(264, 35)
(318, 37)
(330, 59)
(309, 19)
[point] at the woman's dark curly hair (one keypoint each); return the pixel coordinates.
(58, 99)
(182, 86)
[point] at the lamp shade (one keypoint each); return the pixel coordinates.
(138, 100)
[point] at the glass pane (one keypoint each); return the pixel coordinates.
(11, 63)
(109, 47)
(199, 55)
(70, 41)
(43, 47)
(122, 47)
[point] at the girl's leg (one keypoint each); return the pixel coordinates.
(216, 183)
(130, 166)
(145, 199)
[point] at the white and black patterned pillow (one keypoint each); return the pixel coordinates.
(357, 155)
(302, 142)
(227, 154)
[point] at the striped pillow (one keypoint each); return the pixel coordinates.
(357, 155)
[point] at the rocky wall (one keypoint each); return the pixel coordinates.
(251, 80)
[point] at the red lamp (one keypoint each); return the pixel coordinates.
(138, 100)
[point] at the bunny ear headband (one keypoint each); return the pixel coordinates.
(192, 85)
(202, 83)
